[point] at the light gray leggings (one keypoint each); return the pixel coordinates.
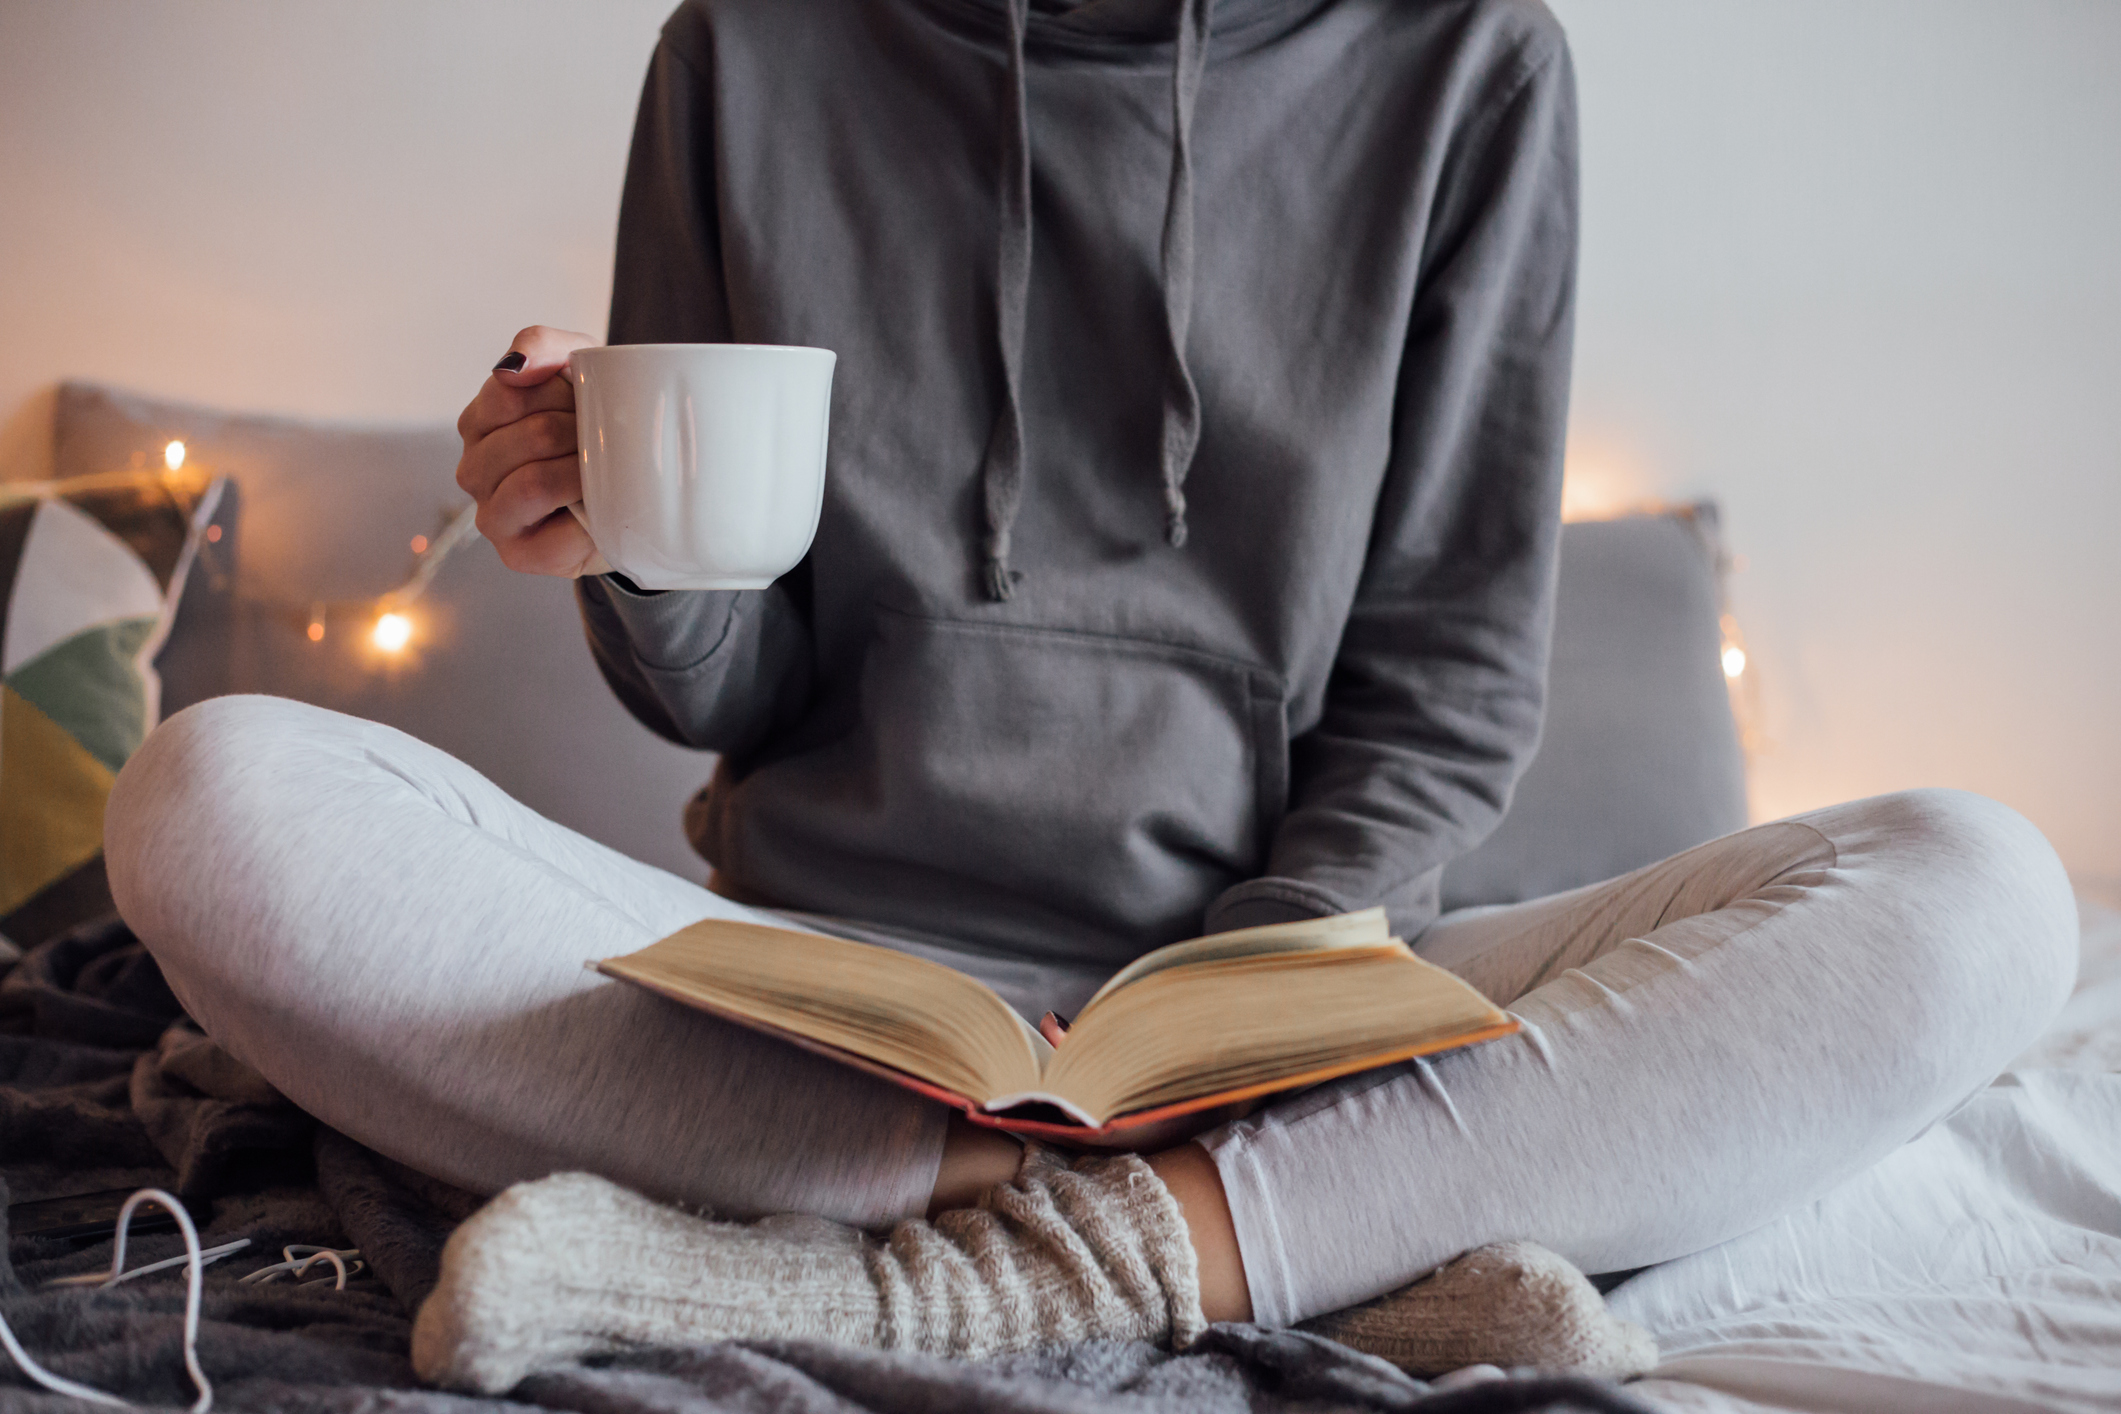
(1708, 1042)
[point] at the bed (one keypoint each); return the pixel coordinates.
(1977, 1269)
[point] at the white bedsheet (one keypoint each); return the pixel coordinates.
(1977, 1269)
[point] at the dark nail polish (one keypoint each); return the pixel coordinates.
(511, 362)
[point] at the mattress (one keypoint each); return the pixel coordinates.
(1975, 1271)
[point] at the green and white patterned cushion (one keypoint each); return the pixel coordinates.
(91, 569)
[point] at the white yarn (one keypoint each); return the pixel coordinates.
(195, 1262)
(206, 1259)
(299, 1259)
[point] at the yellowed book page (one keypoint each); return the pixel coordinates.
(1366, 928)
(1207, 1028)
(905, 1012)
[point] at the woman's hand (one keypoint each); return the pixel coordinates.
(519, 460)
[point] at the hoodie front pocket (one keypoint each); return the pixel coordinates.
(1035, 785)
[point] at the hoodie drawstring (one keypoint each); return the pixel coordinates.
(1002, 470)
(1002, 476)
(1181, 421)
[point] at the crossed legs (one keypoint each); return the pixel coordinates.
(1708, 1042)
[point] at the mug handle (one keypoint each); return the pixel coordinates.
(597, 563)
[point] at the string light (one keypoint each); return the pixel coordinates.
(1739, 677)
(392, 624)
(1734, 659)
(392, 632)
(1606, 482)
(393, 628)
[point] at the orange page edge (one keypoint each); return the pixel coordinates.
(1112, 1129)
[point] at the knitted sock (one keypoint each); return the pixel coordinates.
(572, 1265)
(1513, 1303)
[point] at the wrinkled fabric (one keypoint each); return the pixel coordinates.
(409, 968)
(408, 965)
(310, 1349)
(1299, 296)
(1708, 1043)
(1977, 1269)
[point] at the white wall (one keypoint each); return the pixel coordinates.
(340, 209)
(1854, 267)
(1849, 266)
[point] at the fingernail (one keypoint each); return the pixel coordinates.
(511, 362)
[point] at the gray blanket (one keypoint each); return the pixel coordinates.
(105, 1084)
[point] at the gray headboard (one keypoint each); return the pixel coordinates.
(1640, 757)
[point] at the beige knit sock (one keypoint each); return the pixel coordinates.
(1513, 1303)
(572, 1265)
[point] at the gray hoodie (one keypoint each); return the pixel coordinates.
(1187, 554)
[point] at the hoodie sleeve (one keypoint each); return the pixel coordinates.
(712, 669)
(1434, 703)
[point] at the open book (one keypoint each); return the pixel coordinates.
(1190, 1031)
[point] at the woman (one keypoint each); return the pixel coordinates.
(1187, 564)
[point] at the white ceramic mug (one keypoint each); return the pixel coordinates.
(703, 465)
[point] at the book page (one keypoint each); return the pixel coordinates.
(908, 1013)
(1258, 1022)
(1366, 928)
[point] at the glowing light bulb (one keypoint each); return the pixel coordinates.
(392, 632)
(173, 455)
(316, 630)
(419, 544)
(1733, 661)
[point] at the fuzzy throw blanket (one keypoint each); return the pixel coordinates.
(105, 1084)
